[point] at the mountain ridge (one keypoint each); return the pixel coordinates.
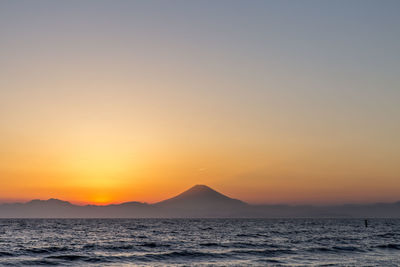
(199, 195)
(199, 201)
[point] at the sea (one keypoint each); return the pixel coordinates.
(199, 242)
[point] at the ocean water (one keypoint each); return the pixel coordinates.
(203, 242)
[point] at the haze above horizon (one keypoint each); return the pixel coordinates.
(199, 194)
(267, 101)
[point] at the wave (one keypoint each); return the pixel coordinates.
(138, 227)
(251, 245)
(210, 244)
(109, 247)
(38, 262)
(153, 245)
(5, 254)
(237, 245)
(348, 248)
(264, 252)
(389, 246)
(122, 247)
(335, 249)
(45, 250)
(185, 254)
(319, 249)
(70, 257)
(73, 258)
(388, 235)
(249, 235)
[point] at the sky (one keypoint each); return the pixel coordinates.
(266, 101)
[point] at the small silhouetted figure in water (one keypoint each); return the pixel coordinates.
(366, 223)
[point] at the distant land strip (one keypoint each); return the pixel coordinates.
(200, 201)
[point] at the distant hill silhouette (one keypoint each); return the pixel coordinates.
(200, 201)
(201, 196)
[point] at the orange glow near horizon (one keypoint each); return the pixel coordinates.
(108, 164)
(103, 165)
(104, 176)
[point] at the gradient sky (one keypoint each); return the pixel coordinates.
(266, 101)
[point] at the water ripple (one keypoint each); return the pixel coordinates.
(236, 242)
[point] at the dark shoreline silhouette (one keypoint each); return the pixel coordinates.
(200, 201)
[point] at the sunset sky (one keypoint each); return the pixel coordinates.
(265, 101)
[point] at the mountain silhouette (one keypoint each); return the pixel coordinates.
(200, 201)
(50, 202)
(200, 196)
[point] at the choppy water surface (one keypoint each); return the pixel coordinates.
(108, 242)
